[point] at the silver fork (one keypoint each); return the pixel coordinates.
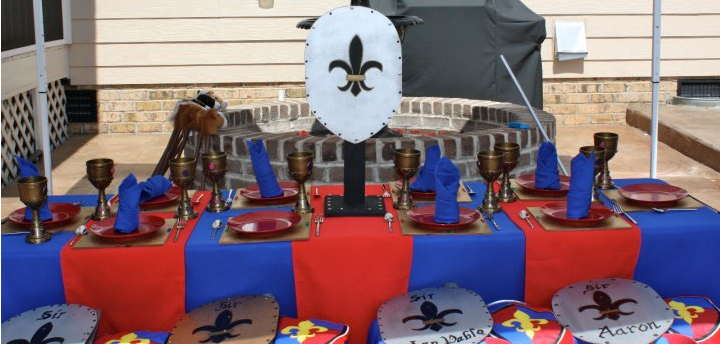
(319, 218)
(619, 210)
(385, 194)
(179, 224)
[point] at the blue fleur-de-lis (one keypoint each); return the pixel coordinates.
(356, 69)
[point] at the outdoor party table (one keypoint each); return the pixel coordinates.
(356, 263)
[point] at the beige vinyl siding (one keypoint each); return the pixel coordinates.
(19, 73)
(234, 41)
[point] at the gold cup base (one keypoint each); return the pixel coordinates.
(506, 194)
(101, 215)
(490, 208)
(605, 182)
(32, 239)
(217, 207)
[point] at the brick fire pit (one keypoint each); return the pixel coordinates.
(461, 127)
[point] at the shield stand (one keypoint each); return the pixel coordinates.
(353, 202)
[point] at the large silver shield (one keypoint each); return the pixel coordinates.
(612, 311)
(61, 323)
(434, 315)
(353, 71)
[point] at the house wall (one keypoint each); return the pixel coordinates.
(167, 46)
(19, 72)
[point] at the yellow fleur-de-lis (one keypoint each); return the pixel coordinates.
(305, 329)
(687, 313)
(524, 323)
(130, 338)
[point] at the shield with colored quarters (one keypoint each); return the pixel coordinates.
(61, 323)
(434, 315)
(520, 323)
(353, 71)
(612, 311)
(247, 319)
(696, 317)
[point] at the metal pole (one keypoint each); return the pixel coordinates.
(42, 88)
(532, 111)
(657, 11)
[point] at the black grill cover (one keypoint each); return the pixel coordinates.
(456, 51)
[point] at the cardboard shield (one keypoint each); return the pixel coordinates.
(61, 323)
(247, 319)
(353, 71)
(612, 311)
(434, 315)
(520, 323)
(696, 317)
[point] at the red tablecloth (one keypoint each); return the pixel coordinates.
(554, 260)
(353, 273)
(134, 287)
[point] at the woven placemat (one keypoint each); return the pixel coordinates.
(240, 202)
(627, 205)
(462, 195)
(301, 231)
(79, 219)
(525, 195)
(409, 227)
(157, 239)
(614, 222)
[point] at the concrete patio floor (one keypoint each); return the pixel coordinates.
(139, 153)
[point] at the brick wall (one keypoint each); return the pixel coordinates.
(145, 109)
(598, 101)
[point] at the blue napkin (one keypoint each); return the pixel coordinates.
(153, 187)
(28, 169)
(127, 219)
(547, 175)
(264, 174)
(425, 180)
(447, 182)
(581, 184)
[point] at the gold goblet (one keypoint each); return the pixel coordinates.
(214, 167)
(182, 173)
(512, 157)
(407, 162)
(33, 193)
(599, 162)
(609, 141)
(100, 174)
(300, 166)
(490, 164)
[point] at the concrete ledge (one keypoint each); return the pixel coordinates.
(690, 130)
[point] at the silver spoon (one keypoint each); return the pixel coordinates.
(215, 225)
(526, 216)
(389, 218)
(672, 209)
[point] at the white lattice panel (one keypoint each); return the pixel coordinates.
(18, 127)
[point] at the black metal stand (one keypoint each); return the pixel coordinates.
(353, 202)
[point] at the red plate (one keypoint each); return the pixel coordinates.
(263, 224)
(172, 195)
(425, 217)
(652, 194)
(61, 213)
(527, 182)
(252, 192)
(149, 224)
(558, 212)
(414, 193)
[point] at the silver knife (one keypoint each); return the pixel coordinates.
(492, 219)
(705, 204)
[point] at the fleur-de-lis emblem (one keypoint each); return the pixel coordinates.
(356, 69)
(130, 338)
(606, 306)
(223, 327)
(40, 337)
(687, 313)
(523, 323)
(305, 329)
(431, 318)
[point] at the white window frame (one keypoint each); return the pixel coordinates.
(66, 40)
